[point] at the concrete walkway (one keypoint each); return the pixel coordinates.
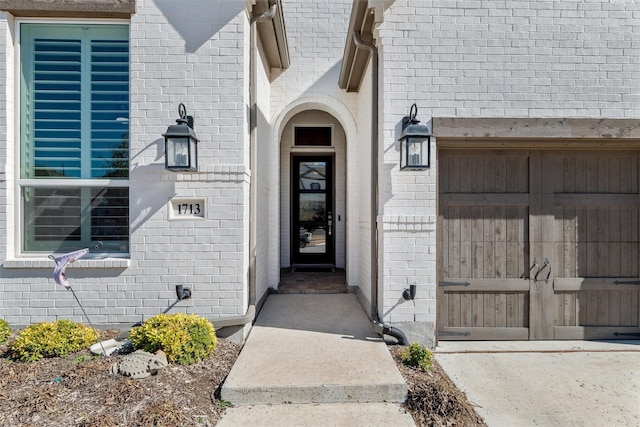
(314, 360)
(560, 383)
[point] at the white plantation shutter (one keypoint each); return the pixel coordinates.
(52, 112)
(109, 104)
(75, 135)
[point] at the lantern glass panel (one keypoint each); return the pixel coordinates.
(193, 153)
(414, 152)
(177, 152)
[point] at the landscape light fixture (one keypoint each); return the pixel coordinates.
(181, 144)
(415, 141)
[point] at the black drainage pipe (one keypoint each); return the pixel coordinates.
(383, 329)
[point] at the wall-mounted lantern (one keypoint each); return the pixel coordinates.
(181, 144)
(415, 142)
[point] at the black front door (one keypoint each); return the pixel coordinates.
(312, 211)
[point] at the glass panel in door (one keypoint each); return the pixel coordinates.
(312, 233)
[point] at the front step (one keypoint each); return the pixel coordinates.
(313, 349)
(300, 280)
(319, 415)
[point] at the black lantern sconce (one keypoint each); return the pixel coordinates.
(181, 144)
(415, 143)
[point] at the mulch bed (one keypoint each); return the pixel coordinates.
(80, 390)
(433, 399)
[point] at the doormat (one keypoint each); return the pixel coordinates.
(313, 270)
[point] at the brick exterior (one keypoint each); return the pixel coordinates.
(176, 56)
(471, 59)
(487, 59)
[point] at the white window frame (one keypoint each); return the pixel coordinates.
(20, 183)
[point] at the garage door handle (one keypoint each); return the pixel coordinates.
(546, 262)
(536, 266)
(545, 265)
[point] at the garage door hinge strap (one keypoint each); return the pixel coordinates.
(626, 282)
(627, 334)
(453, 334)
(454, 283)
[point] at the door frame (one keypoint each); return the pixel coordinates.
(311, 259)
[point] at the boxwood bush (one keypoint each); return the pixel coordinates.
(50, 340)
(185, 338)
(5, 331)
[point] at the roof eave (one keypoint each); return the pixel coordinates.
(354, 60)
(273, 34)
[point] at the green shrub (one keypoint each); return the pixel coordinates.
(5, 331)
(50, 340)
(417, 355)
(185, 338)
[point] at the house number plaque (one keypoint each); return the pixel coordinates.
(186, 209)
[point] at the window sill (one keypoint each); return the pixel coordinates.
(81, 263)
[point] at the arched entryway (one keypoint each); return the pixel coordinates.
(313, 197)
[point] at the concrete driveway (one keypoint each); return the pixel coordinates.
(562, 383)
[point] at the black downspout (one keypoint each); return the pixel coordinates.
(379, 325)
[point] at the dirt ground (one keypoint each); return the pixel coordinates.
(79, 390)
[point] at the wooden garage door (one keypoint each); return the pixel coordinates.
(538, 245)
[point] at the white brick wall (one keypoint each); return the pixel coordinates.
(569, 59)
(316, 33)
(476, 58)
(515, 58)
(203, 63)
(176, 56)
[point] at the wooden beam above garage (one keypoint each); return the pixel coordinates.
(536, 133)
